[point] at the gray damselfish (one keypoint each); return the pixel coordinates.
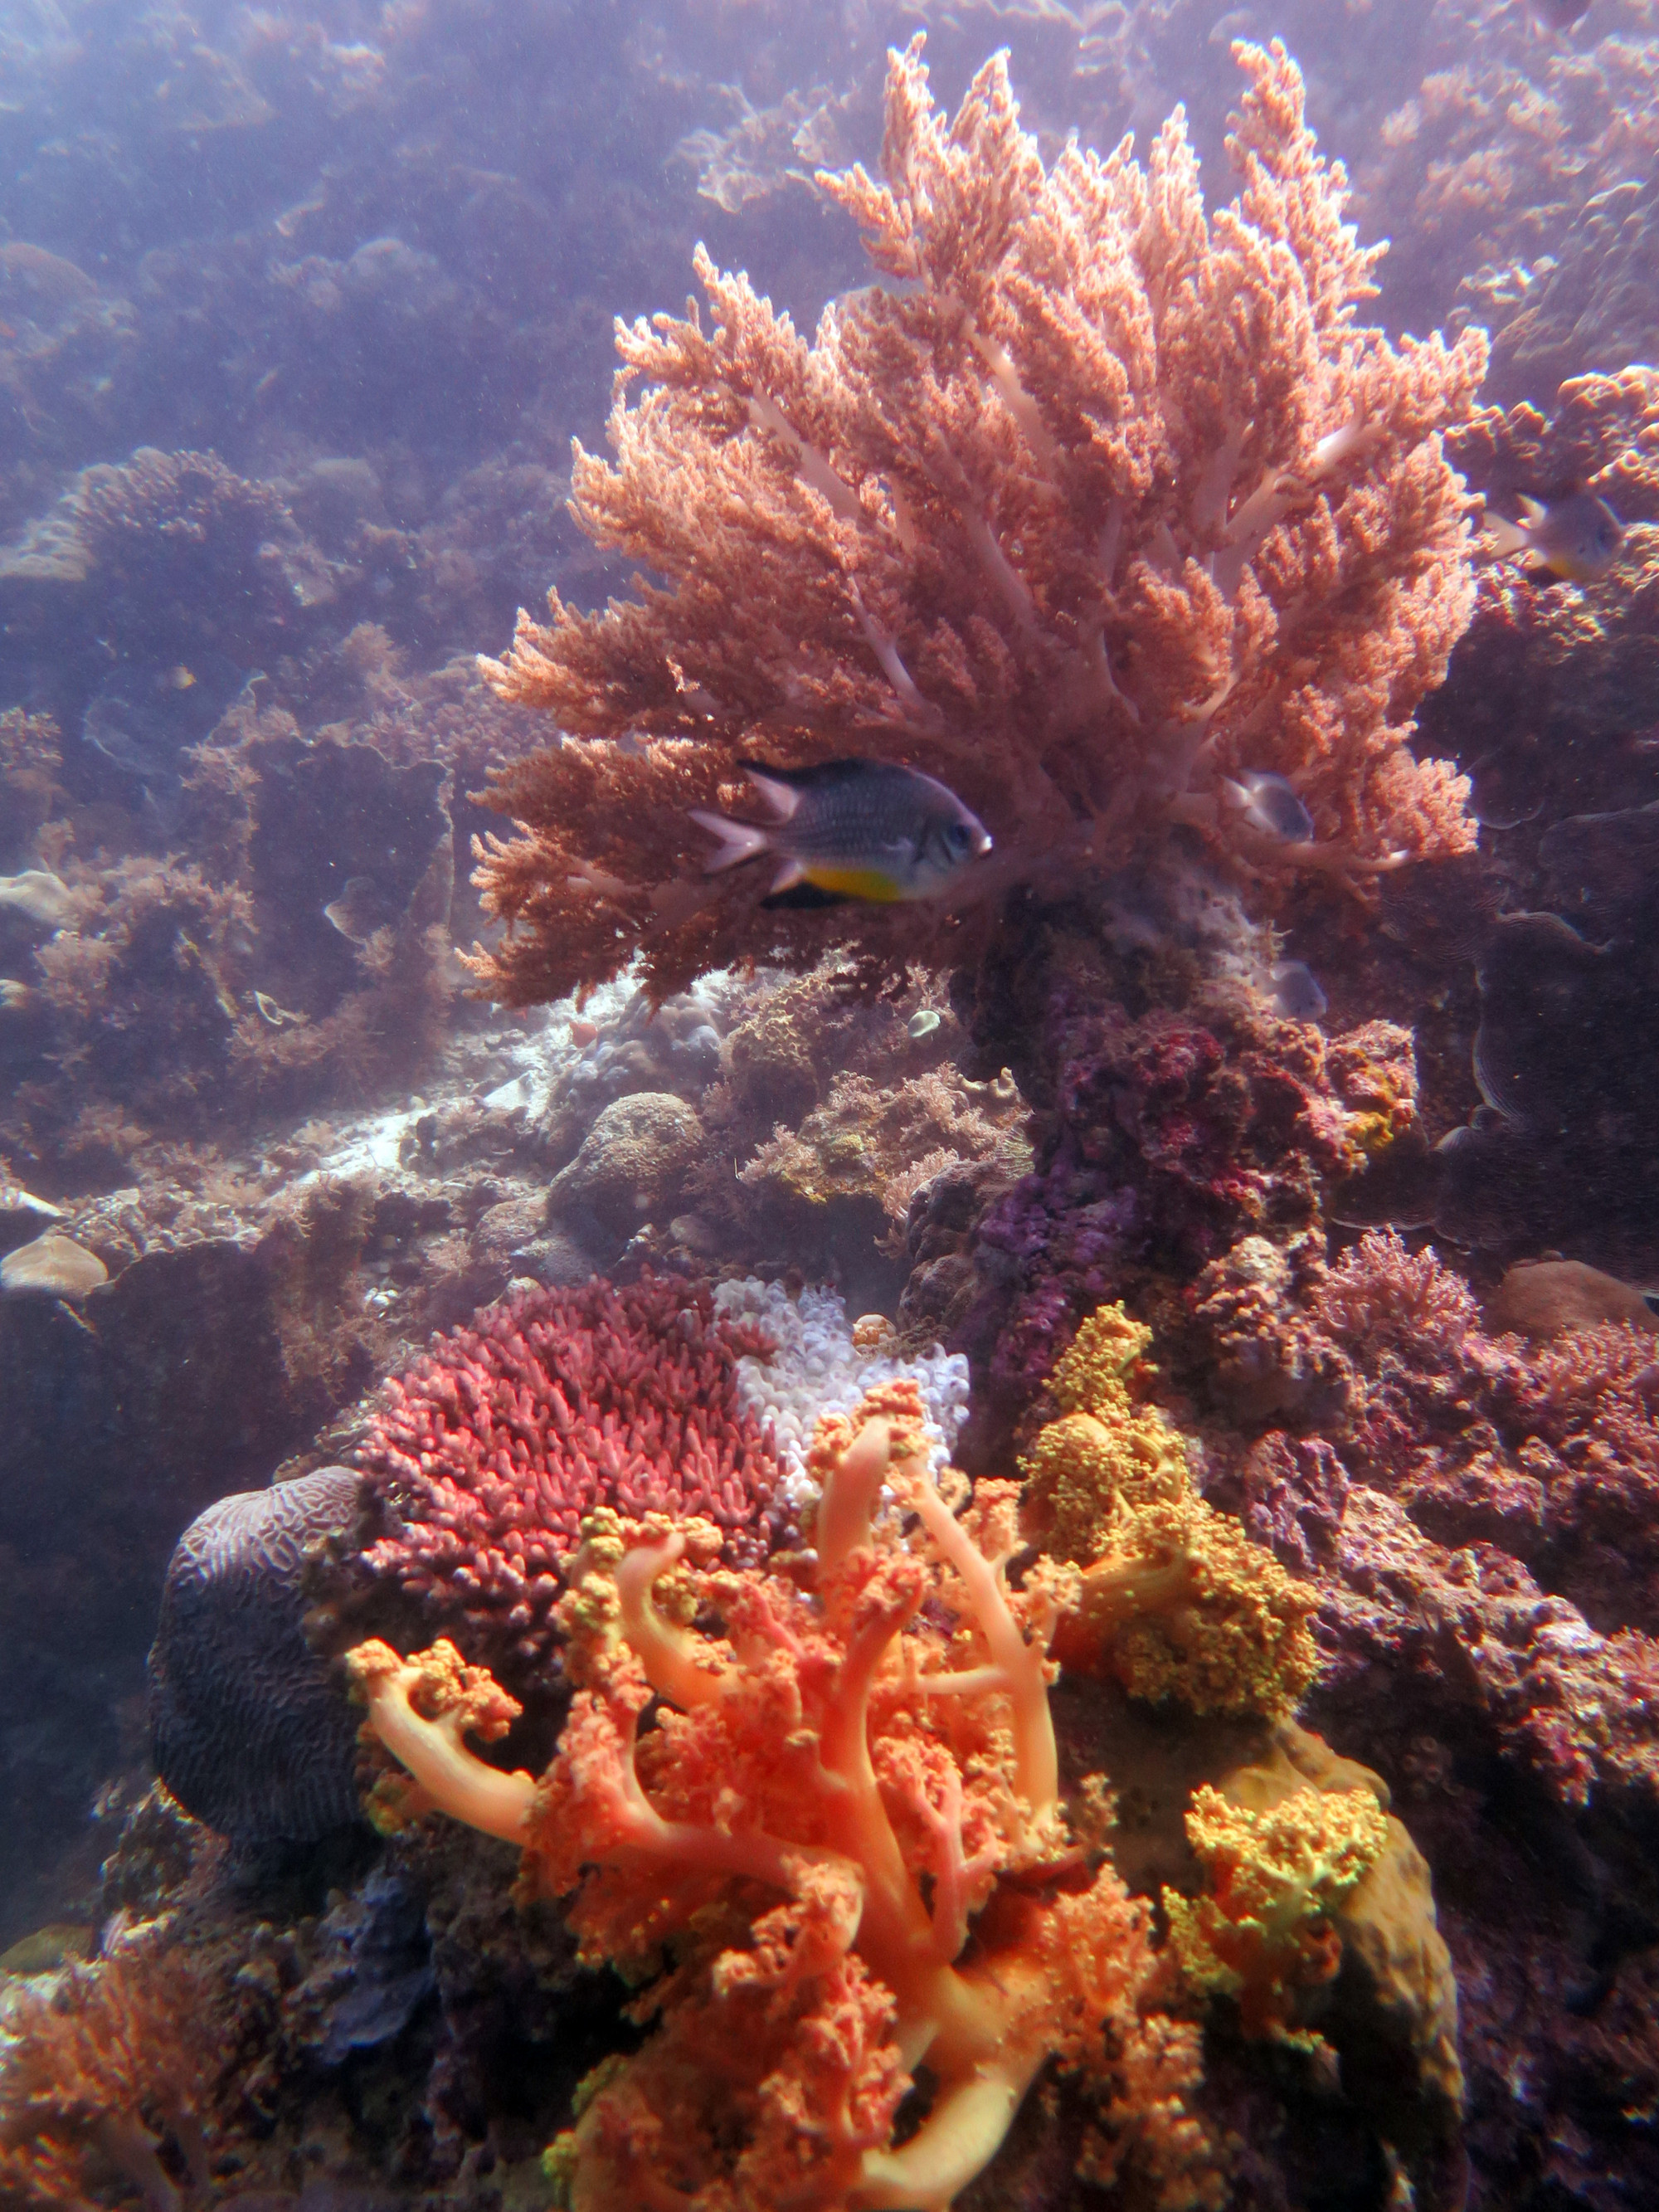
(851, 829)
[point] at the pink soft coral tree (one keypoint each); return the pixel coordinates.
(835, 1854)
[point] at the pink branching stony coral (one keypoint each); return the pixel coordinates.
(1098, 501)
(489, 1454)
(836, 1855)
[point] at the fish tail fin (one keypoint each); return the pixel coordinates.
(789, 874)
(737, 840)
(1533, 509)
(1506, 538)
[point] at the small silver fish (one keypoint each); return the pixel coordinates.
(1269, 804)
(1296, 992)
(851, 829)
(1577, 537)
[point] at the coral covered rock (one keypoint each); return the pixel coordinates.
(1168, 1139)
(632, 1164)
(1479, 1520)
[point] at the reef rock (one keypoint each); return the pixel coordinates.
(632, 1165)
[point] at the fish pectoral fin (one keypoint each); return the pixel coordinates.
(787, 877)
(782, 797)
(739, 841)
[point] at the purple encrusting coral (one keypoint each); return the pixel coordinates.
(1169, 1138)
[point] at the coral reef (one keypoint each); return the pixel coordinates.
(99, 2074)
(1096, 499)
(1111, 502)
(1509, 178)
(179, 999)
(813, 1749)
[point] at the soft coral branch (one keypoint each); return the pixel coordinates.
(805, 1755)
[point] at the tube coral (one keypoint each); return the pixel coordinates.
(836, 1855)
(1089, 504)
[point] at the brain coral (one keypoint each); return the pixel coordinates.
(246, 1730)
(487, 1456)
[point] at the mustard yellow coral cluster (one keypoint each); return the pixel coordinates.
(1176, 1598)
(1262, 1930)
(1305, 1870)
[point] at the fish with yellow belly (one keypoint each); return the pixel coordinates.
(851, 829)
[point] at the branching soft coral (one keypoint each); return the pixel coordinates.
(1098, 500)
(835, 1854)
(99, 2072)
(1176, 1598)
(1261, 1932)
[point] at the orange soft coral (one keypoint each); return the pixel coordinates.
(836, 1854)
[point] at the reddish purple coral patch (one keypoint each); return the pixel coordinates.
(485, 1457)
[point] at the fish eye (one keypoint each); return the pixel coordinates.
(957, 837)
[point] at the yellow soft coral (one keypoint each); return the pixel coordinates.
(1401, 1969)
(1261, 1932)
(1175, 1600)
(1092, 1375)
